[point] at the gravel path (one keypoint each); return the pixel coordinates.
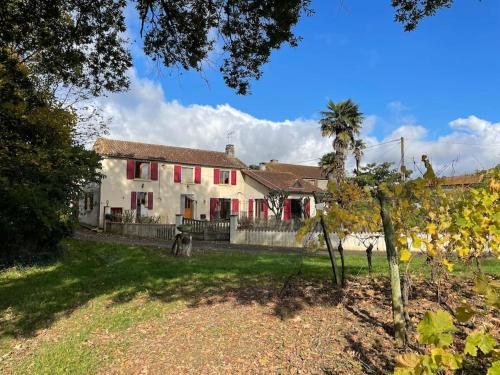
(85, 234)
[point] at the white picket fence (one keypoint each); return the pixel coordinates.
(156, 231)
(269, 237)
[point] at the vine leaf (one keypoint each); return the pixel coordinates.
(484, 341)
(435, 328)
(494, 369)
(408, 360)
(464, 312)
(405, 255)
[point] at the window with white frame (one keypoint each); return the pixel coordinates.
(224, 176)
(187, 175)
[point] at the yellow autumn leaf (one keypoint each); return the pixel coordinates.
(448, 265)
(405, 255)
(463, 251)
(407, 360)
(431, 228)
(417, 243)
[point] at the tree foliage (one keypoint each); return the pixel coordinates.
(327, 164)
(183, 33)
(42, 169)
(411, 12)
(343, 122)
(70, 42)
(358, 148)
(374, 174)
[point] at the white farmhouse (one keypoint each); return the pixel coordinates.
(156, 180)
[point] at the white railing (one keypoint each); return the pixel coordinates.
(287, 238)
(156, 231)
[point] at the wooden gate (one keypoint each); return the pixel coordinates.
(208, 230)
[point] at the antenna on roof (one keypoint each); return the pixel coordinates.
(229, 136)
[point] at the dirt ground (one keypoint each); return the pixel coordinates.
(303, 328)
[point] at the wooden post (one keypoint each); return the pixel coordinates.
(178, 221)
(233, 227)
(336, 274)
(392, 258)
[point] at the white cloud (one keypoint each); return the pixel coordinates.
(144, 114)
(397, 106)
(472, 144)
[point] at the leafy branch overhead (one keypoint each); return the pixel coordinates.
(82, 42)
(184, 33)
(411, 12)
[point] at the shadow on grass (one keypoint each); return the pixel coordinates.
(34, 298)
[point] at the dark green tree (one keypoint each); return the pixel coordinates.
(76, 43)
(374, 174)
(80, 43)
(42, 169)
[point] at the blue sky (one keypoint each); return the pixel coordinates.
(447, 68)
(437, 86)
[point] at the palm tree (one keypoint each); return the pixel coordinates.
(343, 121)
(358, 148)
(327, 164)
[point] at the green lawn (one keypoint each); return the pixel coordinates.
(101, 288)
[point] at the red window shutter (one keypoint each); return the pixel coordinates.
(197, 175)
(177, 173)
(130, 169)
(236, 206)
(154, 170)
(213, 208)
(150, 200)
(250, 208)
(133, 200)
(307, 208)
(287, 210)
(216, 176)
(233, 177)
(266, 209)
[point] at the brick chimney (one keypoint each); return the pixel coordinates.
(230, 151)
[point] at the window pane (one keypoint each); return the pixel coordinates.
(224, 177)
(145, 171)
(187, 175)
(142, 170)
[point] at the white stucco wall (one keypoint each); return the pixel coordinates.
(255, 190)
(116, 190)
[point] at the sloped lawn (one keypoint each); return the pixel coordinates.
(126, 309)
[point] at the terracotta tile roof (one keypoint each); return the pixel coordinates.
(461, 180)
(137, 150)
(281, 181)
(302, 171)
